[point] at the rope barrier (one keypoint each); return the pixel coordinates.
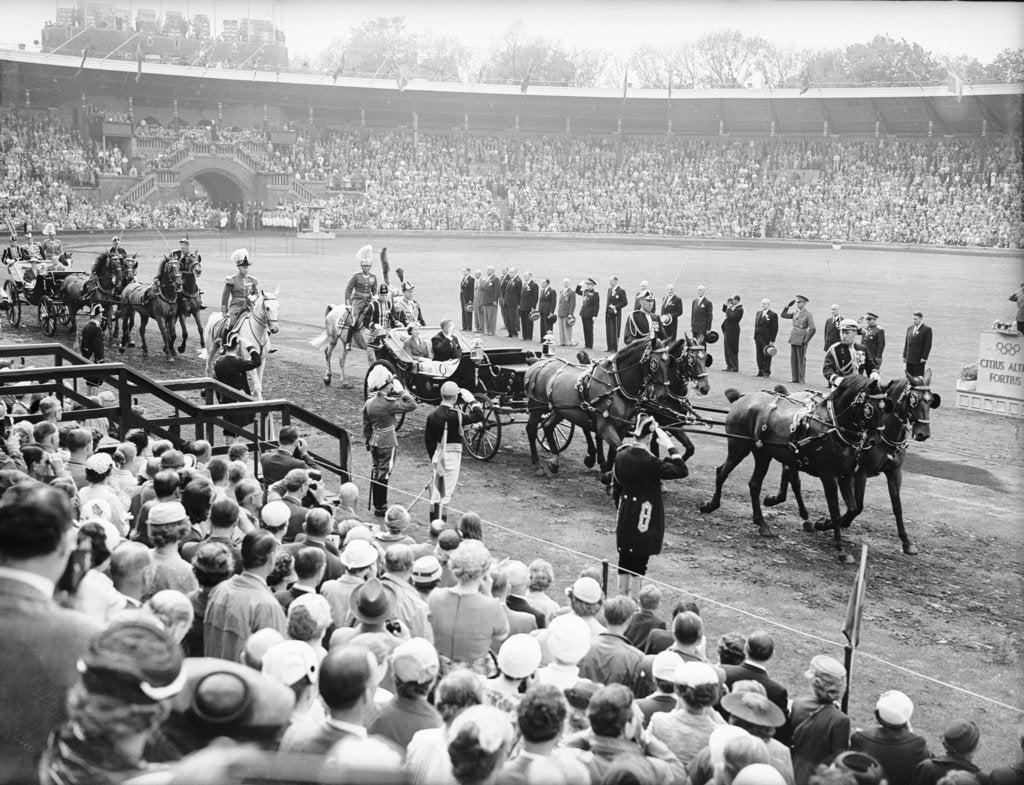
(732, 608)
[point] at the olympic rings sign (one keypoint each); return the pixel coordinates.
(1007, 349)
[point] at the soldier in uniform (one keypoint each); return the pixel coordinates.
(443, 437)
(617, 301)
(589, 309)
(846, 357)
(801, 334)
(378, 318)
(240, 291)
(874, 339)
(183, 252)
(116, 250)
(406, 310)
(642, 323)
(51, 247)
(360, 291)
(636, 489)
(388, 400)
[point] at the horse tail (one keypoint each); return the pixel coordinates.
(320, 341)
(732, 394)
(329, 309)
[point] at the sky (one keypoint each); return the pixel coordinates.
(978, 29)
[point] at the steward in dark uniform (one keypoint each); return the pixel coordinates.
(589, 309)
(874, 339)
(232, 370)
(92, 341)
(443, 439)
(636, 490)
(642, 323)
(847, 358)
(389, 400)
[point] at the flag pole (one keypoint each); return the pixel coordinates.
(851, 628)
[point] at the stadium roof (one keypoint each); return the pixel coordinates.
(56, 80)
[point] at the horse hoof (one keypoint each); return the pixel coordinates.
(808, 526)
(346, 386)
(823, 525)
(131, 344)
(707, 507)
(910, 549)
(766, 531)
(845, 558)
(539, 471)
(589, 461)
(771, 501)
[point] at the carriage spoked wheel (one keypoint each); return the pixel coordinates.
(482, 439)
(563, 433)
(48, 316)
(13, 314)
(399, 418)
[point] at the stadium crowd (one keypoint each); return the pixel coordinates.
(961, 192)
(155, 598)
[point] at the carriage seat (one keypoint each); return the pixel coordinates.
(437, 369)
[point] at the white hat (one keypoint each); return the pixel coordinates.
(275, 513)
(99, 462)
(568, 638)
(97, 508)
(378, 378)
(289, 661)
(316, 605)
(166, 512)
(240, 256)
(358, 554)
(693, 674)
(519, 656)
(364, 254)
(426, 569)
(585, 590)
(665, 665)
(894, 708)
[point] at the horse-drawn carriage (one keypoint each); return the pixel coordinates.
(45, 294)
(496, 377)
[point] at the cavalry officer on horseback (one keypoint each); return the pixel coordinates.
(846, 357)
(51, 247)
(406, 310)
(389, 399)
(359, 292)
(636, 490)
(240, 291)
(643, 323)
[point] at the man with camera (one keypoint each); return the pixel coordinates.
(290, 454)
(389, 400)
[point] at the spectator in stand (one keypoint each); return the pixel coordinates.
(685, 730)
(646, 618)
(820, 730)
(213, 563)
(518, 660)
(168, 523)
(174, 612)
(893, 744)
(132, 570)
(409, 608)
(732, 648)
(310, 564)
(663, 699)
(540, 718)
(415, 667)
(309, 618)
(542, 575)
(759, 650)
(360, 562)
(427, 761)
(612, 659)
(960, 741)
(568, 640)
(481, 739)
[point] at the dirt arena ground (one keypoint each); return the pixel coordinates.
(949, 616)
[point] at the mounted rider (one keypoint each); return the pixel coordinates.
(846, 357)
(240, 292)
(406, 310)
(116, 250)
(188, 259)
(643, 322)
(51, 248)
(378, 318)
(360, 292)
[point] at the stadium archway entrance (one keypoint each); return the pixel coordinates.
(220, 187)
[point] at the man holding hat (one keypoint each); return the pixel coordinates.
(360, 291)
(490, 293)
(733, 311)
(636, 489)
(642, 323)
(528, 301)
(240, 291)
(389, 399)
(566, 313)
(801, 334)
(874, 342)
(671, 311)
(766, 329)
(847, 358)
(960, 741)
(511, 295)
(701, 314)
(616, 303)
(589, 310)
(893, 744)
(443, 438)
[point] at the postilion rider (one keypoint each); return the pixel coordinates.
(188, 258)
(846, 357)
(240, 292)
(388, 400)
(359, 293)
(643, 323)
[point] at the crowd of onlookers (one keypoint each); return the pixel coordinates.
(166, 609)
(960, 192)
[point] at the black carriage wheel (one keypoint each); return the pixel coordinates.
(13, 314)
(564, 431)
(399, 418)
(482, 439)
(47, 317)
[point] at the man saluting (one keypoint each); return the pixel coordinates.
(846, 357)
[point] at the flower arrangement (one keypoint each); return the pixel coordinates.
(969, 373)
(1009, 327)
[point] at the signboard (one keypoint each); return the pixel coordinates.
(1001, 364)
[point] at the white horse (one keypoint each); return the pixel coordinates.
(336, 323)
(254, 331)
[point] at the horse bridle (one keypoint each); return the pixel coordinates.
(175, 283)
(904, 411)
(266, 321)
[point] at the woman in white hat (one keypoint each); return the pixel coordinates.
(98, 468)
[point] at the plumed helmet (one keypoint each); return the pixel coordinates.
(240, 257)
(407, 286)
(378, 378)
(49, 230)
(365, 254)
(646, 294)
(383, 289)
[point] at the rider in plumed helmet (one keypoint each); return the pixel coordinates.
(361, 289)
(643, 323)
(240, 291)
(51, 247)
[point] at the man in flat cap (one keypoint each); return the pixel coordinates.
(733, 310)
(801, 334)
(589, 308)
(874, 341)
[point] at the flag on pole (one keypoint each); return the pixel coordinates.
(954, 81)
(81, 66)
(670, 85)
(400, 80)
(855, 607)
(525, 84)
(625, 85)
(138, 57)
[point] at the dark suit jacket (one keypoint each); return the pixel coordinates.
(673, 306)
(777, 694)
(528, 300)
(335, 569)
(618, 298)
(700, 315)
(466, 290)
(40, 643)
(277, 464)
(520, 604)
(916, 348)
(731, 324)
(766, 325)
(445, 348)
(513, 292)
(547, 304)
(298, 517)
(491, 289)
(832, 330)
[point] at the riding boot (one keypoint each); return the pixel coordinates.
(435, 512)
(379, 495)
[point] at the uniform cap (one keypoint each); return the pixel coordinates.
(519, 656)
(289, 661)
(590, 282)
(183, 241)
(585, 590)
(378, 378)
(358, 554)
(848, 324)
(568, 638)
(870, 315)
(894, 708)
(802, 297)
(415, 661)
(449, 389)
(240, 257)
(275, 513)
(693, 674)
(166, 513)
(646, 294)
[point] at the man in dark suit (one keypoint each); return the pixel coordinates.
(766, 328)
(874, 339)
(733, 310)
(528, 304)
(758, 651)
(832, 323)
(671, 306)
(466, 300)
(291, 454)
(700, 315)
(616, 301)
(917, 345)
(491, 293)
(589, 309)
(518, 585)
(316, 527)
(444, 346)
(503, 280)
(513, 294)
(546, 306)
(40, 642)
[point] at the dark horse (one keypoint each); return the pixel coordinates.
(159, 302)
(907, 416)
(821, 434)
(101, 286)
(603, 398)
(190, 301)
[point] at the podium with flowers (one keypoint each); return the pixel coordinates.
(999, 387)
